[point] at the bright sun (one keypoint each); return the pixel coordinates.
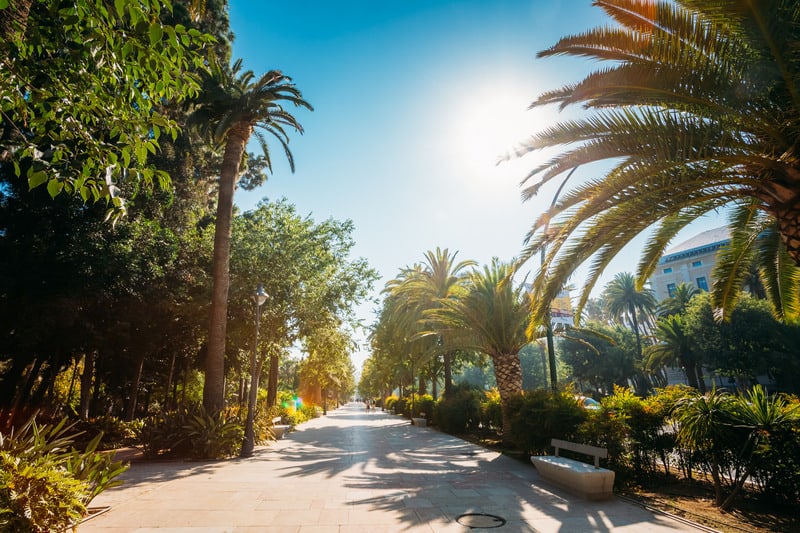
(490, 123)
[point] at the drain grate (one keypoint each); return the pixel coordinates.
(481, 520)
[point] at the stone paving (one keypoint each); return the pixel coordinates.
(357, 471)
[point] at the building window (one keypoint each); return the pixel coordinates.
(671, 289)
(697, 263)
(702, 284)
(668, 270)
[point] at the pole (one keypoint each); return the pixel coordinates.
(249, 429)
(551, 352)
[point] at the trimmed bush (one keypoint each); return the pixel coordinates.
(459, 412)
(539, 416)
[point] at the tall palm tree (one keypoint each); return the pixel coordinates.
(627, 302)
(493, 317)
(697, 107)
(237, 107)
(439, 279)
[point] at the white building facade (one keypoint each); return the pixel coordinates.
(689, 262)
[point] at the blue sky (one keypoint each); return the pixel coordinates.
(414, 102)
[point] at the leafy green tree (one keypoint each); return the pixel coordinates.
(695, 108)
(83, 85)
(600, 356)
(236, 107)
(304, 267)
(751, 343)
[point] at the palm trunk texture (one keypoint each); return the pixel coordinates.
(214, 387)
(508, 374)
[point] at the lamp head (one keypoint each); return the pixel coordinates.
(260, 296)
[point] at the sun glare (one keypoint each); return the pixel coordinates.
(489, 124)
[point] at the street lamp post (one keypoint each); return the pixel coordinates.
(259, 297)
(551, 355)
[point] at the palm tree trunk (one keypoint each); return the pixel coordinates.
(508, 374)
(214, 387)
(788, 218)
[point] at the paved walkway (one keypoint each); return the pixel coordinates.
(356, 471)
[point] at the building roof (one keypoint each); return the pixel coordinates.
(713, 236)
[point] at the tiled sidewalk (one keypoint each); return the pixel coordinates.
(356, 471)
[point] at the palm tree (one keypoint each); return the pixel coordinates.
(705, 425)
(677, 302)
(760, 416)
(674, 347)
(628, 303)
(697, 107)
(492, 317)
(238, 106)
(440, 278)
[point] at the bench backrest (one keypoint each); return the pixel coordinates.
(276, 420)
(592, 451)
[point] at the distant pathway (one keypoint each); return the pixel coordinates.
(356, 471)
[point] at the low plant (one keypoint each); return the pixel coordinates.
(45, 483)
(539, 416)
(390, 402)
(492, 410)
(192, 433)
(460, 411)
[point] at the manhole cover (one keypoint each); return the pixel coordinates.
(480, 520)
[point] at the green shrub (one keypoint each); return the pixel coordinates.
(192, 433)
(423, 404)
(539, 416)
(213, 436)
(39, 495)
(116, 432)
(390, 401)
(492, 410)
(45, 483)
(402, 406)
(460, 411)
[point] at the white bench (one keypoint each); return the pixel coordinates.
(588, 481)
(279, 430)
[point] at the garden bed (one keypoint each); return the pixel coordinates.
(689, 499)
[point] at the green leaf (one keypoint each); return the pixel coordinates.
(155, 34)
(120, 5)
(3, 4)
(36, 178)
(54, 187)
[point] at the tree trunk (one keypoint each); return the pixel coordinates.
(86, 385)
(272, 380)
(23, 393)
(133, 394)
(691, 375)
(214, 387)
(508, 374)
(788, 219)
(448, 375)
(170, 378)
